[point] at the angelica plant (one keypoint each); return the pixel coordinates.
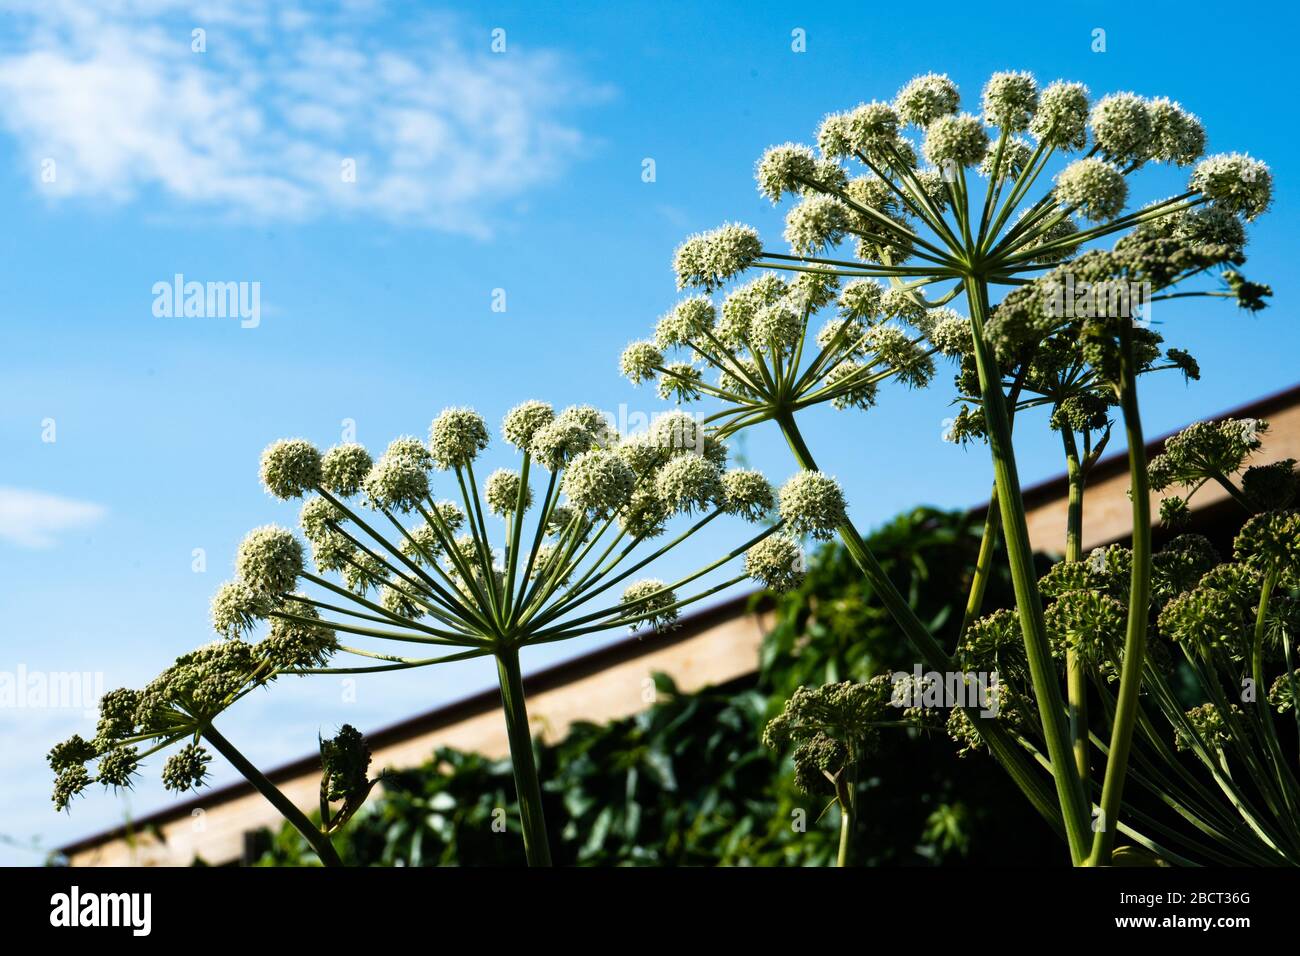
(506, 565)
(832, 730)
(925, 235)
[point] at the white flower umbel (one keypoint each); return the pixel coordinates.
(502, 568)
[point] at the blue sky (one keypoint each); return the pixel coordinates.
(476, 171)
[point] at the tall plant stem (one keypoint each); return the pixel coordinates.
(1135, 640)
(529, 791)
(983, 565)
(1001, 744)
(845, 796)
(297, 819)
(1051, 708)
(1076, 675)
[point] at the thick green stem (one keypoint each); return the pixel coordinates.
(1135, 641)
(297, 819)
(529, 790)
(983, 565)
(846, 828)
(1075, 806)
(1076, 675)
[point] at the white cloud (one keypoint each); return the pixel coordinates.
(261, 124)
(34, 519)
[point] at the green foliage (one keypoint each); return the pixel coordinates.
(688, 781)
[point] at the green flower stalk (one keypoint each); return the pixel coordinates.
(1053, 319)
(544, 552)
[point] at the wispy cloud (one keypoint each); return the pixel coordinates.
(269, 120)
(34, 519)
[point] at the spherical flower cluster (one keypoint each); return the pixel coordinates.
(1205, 451)
(1270, 541)
(747, 493)
(680, 382)
(688, 483)
(777, 327)
(574, 431)
(456, 437)
(68, 753)
(1282, 695)
(1087, 622)
(269, 560)
(68, 784)
(816, 222)
(817, 761)
(952, 335)
(861, 299)
(398, 601)
(1093, 185)
(186, 768)
(641, 453)
(910, 362)
(598, 481)
(1015, 157)
(688, 321)
(640, 362)
(1062, 117)
(118, 766)
(645, 514)
(298, 639)
(711, 258)
(813, 504)
(343, 468)
(776, 562)
(502, 490)
(1176, 135)
(396, 481)
(1205, 618)
(1010, 100)
(1061, 229)
(785, 169)
(236, 609)
(956, 140)
(851, 384)
(740, 305)
(926, 98)
(422, 544)
(1209, 725)
(410, 448)
(901, 304)
(317, 516)
(290, 467)
(991, 640)
(680, 433)
(1209, 225)
(1271, 487)
(523, 421)
(1122, 128)
(651, 601)
(869, 129)
(1234, 182)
